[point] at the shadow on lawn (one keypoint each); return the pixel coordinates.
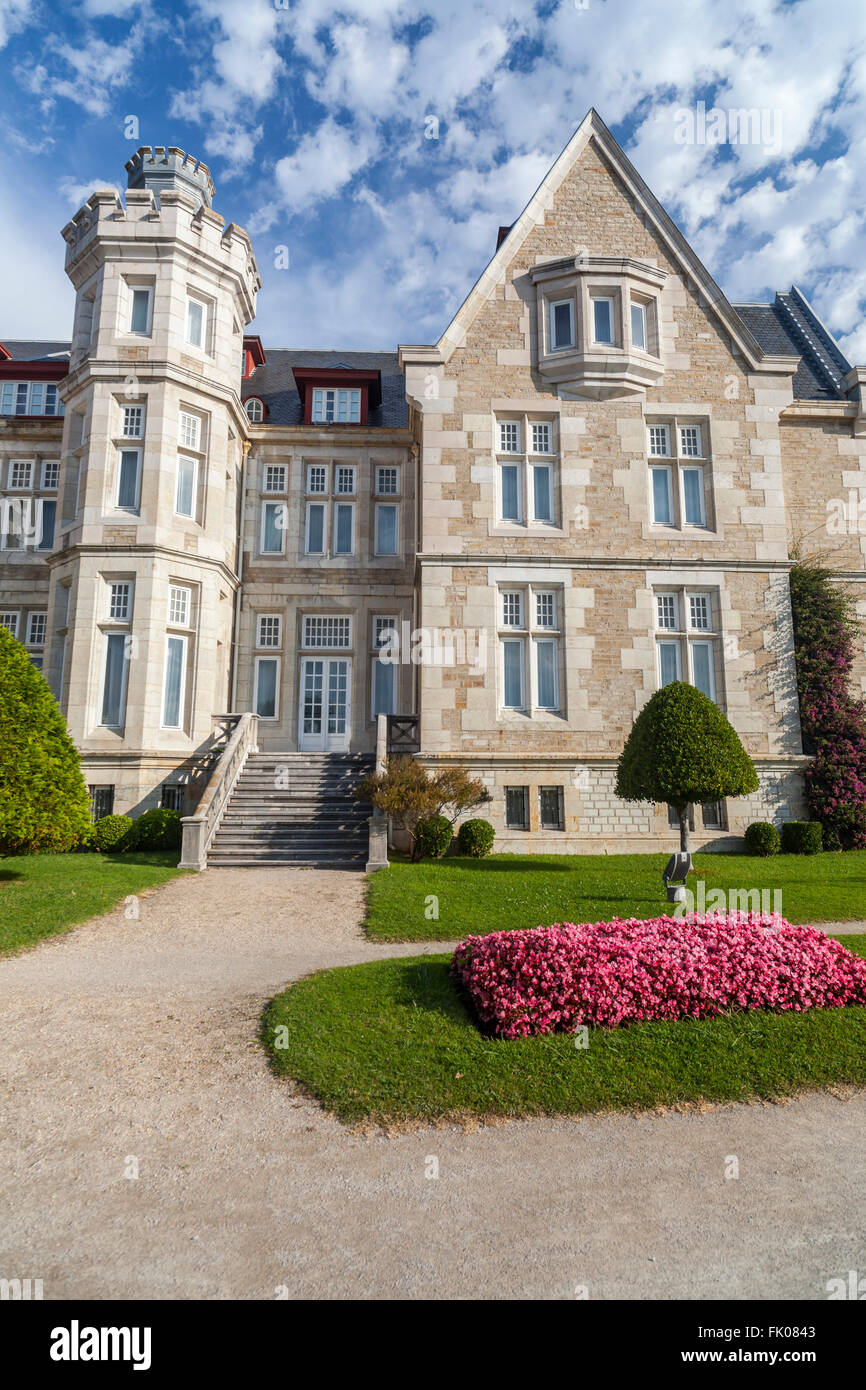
(8, 875)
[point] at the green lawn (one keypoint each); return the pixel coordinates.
(510, 891)
(43, 894)
(391, 1041)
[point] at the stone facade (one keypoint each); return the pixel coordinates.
(597, 476)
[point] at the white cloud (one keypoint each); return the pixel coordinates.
(14, 16)
(93, 73)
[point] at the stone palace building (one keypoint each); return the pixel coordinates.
(589, 486)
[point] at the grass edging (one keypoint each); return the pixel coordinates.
(391, 1042)
(44, 895)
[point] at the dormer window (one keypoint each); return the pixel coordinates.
(338, 395)
(255, 410)
(338, 405)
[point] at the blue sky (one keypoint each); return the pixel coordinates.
(383, 142)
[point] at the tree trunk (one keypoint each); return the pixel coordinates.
(683, 812)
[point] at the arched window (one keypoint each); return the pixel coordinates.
(255, 410)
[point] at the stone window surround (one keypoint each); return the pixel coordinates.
(530, 632)
(676, 461)
(591, 368)
(524, 458)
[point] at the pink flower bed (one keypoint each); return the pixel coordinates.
(604, 974)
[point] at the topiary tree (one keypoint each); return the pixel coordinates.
(44, 804)
(682, 750)
(407, 794)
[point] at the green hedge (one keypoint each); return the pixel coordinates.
(475, 838)
(433, 836)
(801, 837)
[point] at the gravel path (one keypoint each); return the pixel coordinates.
(137, 1039)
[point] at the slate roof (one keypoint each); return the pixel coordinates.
(275, 384)
(34, 350)
(790, 326)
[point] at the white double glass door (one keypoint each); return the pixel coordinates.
(324, 715)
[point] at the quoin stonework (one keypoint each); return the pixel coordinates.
(589, 486)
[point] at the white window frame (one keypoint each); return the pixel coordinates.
(193, 501)
(679, 464)
(136, 505)
(521, 643)
(203, 304)
(124, 681)
(337, 505)
(387, 468)
(554, 345)
(270, 618)
(133, 291)
(319, 502)
(341, 469)
(184, 640)
(319, 410)
(46, 465)
(111, 585)
(379, 508)
(524, 460)
(171, 620)
(254, 410)
(33, 618)
(325, 618)
(280, 506)
(25, 486)
(12, 614)
(375, 662)
(133, 411)
(642, 309)
(257, 664)
(281, 471)
(610, 300)
(317, 491)
(684, 637)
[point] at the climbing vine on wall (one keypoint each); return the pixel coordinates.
(833, 719)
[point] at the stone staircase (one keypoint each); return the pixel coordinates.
(295, 809)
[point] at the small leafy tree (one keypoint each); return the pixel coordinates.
(407, 794)
(683, 751)
(44, 804)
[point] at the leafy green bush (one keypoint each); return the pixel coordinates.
(475, 837)
(113, 834)
(683, 751)
(158, 829)
(408, 795)
(762, 839)
(801, 837)
(44, 804)
(433, 836)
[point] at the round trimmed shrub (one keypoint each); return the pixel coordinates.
(433, 836)
(801, 837)
(113, 834)
(475, 838)
(158, 829)
(762, 839)
(44, 806)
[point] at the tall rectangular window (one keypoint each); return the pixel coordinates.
(517, 808)
(669, 662)
(662, 495)
(37, 624)
(525, 467)
(267, 680)
(141, 298)
(384, 687)
(550, 808)
(546, 663)
(189, 430)
(114, 683)
(119, 599)
(693, 496)
(561, 325)
(128, 479)
(49, 516)
(512, 673)
(195, 322)
(509, 474)
(602, 320)
(315, 537)
(386, 529)
(639, 338)
(187, 472)
(344, 526)
(178, 605)
(317, 478)
(50, 475)
(678, 489)
(688, 642)
(273, 527)
(542, 476)
(175, 675)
